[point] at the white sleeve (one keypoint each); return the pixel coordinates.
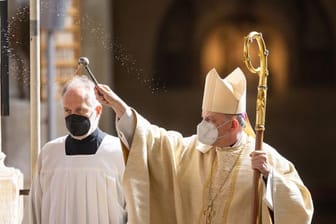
(268, 197)
(125, 127)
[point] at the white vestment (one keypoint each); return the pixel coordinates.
(78, 189)
(174, 180)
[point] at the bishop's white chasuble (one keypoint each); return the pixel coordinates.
(174, 180)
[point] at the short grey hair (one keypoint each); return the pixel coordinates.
(83, 82)
(240, 118)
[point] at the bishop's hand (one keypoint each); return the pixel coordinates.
(259, 162)
(106, 96)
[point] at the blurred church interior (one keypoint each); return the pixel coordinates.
(155, 55)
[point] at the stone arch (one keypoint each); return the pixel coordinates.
(237, 22)
(316, 41)
(187, 27)
(173, 50)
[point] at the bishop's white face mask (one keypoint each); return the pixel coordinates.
(207, 132)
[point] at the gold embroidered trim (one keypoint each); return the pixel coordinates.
(209, 211)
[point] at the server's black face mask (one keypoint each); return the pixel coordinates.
(77, 125)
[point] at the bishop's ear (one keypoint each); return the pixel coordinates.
(234, 123)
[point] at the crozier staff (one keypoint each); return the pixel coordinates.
(262, 72)
(207, 177)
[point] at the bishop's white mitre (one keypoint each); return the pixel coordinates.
(226, 95)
